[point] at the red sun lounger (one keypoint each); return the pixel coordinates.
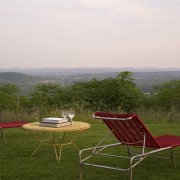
(12, 124)
(131, 133)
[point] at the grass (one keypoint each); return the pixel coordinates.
(16, 162)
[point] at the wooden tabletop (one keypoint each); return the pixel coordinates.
(77, 126)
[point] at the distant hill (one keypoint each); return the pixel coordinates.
(144, 80)
(24, 81)
(147, 80)
(85, 70)
(13, 77)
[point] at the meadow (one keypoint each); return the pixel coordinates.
(16, 161)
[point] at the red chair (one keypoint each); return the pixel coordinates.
(12, 124)
(131, 133)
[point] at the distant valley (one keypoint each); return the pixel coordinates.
(26, 79)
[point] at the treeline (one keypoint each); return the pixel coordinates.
(111, 94)
(145, 81)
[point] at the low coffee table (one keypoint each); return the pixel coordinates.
(35, 127)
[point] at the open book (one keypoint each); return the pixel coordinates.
(54, 120)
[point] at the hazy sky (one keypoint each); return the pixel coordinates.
(90, 33)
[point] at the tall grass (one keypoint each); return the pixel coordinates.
(148, 116)
(157, 116)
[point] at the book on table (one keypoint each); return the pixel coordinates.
(54, 120)
(47, 124)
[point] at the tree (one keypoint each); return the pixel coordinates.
(130, 97)
(46, 96)
(9, 97)
(168, 95)
(109, 94)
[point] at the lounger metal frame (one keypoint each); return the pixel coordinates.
(133, 157)
(2, 134)
(7, 125)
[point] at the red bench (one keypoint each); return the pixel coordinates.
(12, 124)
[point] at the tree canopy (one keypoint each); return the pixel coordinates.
(111, 94)
(168, 95)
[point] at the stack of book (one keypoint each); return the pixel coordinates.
(54, 122)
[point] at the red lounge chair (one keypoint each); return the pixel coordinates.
(131, 133)
(12, 124)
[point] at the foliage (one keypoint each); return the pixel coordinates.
(107, 95)
(168, 95)
(110, 94)
(46, 96)
(119, 94)
(9, 97)
(65, 77)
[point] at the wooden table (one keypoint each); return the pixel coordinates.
(35, 127)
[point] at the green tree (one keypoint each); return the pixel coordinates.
(9, 97)
(129, 96)
(109, 94)
(46, 96)
(168, 95)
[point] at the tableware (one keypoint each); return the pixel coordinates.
(65, 114)
(71, 116)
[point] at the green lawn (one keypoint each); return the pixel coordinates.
(16, 162)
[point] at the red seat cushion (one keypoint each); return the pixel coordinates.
(12, 124)
(168, 140)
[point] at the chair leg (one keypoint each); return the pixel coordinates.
(130, 168)
(3, 135)
(80, 172)
(172, 157)
(128, 151)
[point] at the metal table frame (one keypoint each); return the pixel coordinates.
(57, 143)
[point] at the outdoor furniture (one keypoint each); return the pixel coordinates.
(131, 133)
(12, 124)
(56, 142)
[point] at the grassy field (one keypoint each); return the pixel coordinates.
(16, 162)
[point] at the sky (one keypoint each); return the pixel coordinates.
(90, 33)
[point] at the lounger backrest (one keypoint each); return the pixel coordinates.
(128, 129)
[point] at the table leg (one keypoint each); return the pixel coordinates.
(37, 148)
(75, 146)
(56, 143)
(61, 145)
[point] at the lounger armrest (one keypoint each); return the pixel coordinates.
(111, 118)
